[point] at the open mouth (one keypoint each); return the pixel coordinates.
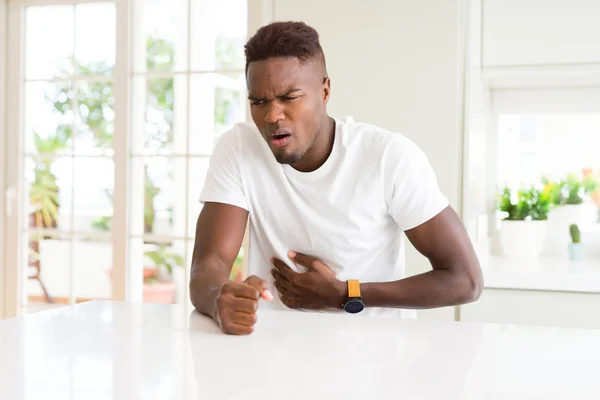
(281, 139)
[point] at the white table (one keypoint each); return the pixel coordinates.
(105, 350)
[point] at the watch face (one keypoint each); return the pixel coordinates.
(354, 306)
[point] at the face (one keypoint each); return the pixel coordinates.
(287, 102)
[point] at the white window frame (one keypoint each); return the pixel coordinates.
(3, 164)
(126, 283)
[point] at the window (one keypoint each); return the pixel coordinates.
(547, 145)
(67, 150)
(532, 147)
(95, 107)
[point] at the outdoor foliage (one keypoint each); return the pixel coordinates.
(94, 121)
(525, 204)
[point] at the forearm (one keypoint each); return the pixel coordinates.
(205, 284)
(436, 288)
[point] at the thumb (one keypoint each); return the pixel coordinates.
(261, 285)
(310, 262)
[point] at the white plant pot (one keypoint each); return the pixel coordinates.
(523, 239)
(568, 214)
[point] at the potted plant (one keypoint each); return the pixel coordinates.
(576, 248)
(523, 227)
(158, 276)
(568, 196)
(569, 205)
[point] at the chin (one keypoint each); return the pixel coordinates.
(287, 158)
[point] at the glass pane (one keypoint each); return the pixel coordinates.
(47, 271)
(48, 117)
(197, 167)
(530, 145)
(219, 102)
(95, 38)
(95, 118)
(162, 195)
(92, 260)
(159, 121)
(92, 184)
(49, 41)
(218, 34)
(161, 35)
(163, 265)
(48, 194)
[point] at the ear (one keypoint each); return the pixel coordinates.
(326, 89)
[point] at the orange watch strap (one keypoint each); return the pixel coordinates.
(353, 288)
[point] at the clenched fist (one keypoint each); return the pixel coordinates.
(237, 302)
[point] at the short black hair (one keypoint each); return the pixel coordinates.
(285, 39)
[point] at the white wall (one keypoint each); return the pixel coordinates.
(396, 64)
(390, 67)
(540, 32)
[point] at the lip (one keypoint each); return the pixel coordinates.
(280, 142)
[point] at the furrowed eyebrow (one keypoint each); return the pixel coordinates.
(252, 98)
(290, 92)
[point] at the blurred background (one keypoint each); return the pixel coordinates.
(109, 112)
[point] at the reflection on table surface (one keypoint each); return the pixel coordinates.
(107, 350)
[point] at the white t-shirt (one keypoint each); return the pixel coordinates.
(351, 213)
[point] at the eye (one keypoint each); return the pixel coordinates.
(290, 98)
(257, 102)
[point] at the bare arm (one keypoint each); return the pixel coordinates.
(456, 276)
(219, 234)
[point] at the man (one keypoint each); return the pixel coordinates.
(329, 203)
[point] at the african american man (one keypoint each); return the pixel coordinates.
(328, 201)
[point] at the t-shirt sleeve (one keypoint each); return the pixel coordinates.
(412, 193)
(223, 183)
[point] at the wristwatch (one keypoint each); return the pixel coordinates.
(354, 304)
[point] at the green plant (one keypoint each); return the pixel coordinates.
(43, 191)
(150, 192)
(570, 190)
(574, 189)
(590, 184)
(103, 224)
(526, 204)
(575, 233)
(163, 257)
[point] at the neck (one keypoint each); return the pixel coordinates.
(320, 149)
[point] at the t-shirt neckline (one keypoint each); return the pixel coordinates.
(327, 165)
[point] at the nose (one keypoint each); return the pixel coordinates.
(274, 112)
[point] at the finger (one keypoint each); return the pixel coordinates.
(242, 318)
(310, 262)
(261, 285)
(233, 328)
(282, 281)
(240, 304)
(288, 302)
(284, 270)
(285, 292)
(242, 289)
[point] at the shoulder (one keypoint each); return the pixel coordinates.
(375, 141)
(241, 139)
(238, 134)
